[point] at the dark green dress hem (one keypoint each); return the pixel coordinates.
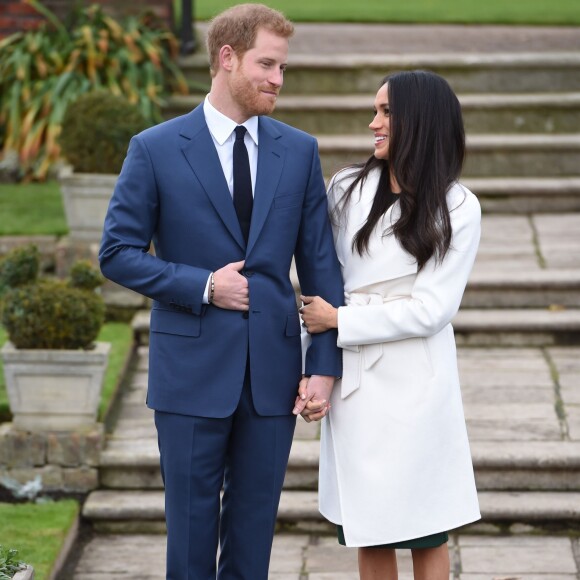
(432, 541)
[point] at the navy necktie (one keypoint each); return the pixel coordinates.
(243, 198)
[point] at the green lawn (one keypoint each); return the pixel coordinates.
(120, 335)
(37, 531)
(31, 209)
(426, 11)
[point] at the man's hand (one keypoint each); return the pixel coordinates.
(231, 288)
(313, 397)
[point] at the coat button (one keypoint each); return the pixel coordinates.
(246, 315)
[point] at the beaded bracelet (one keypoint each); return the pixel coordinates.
(211, 288)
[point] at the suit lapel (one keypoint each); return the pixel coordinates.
(199, 150)
(271, 155)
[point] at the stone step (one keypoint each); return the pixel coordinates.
(491, 287)
(482, 113)
(517, 327)
(479, 325)
(140, 324)
(530, 466)
(130, 464)
(487, 155)
(521, 195)
(479, 556)
(143, 511)
(333, 74)
(484, 327)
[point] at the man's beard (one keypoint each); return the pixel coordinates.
(251, 100)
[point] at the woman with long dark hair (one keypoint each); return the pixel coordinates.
(395, 465)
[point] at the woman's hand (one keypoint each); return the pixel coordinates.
(313, 397)
(318, 315)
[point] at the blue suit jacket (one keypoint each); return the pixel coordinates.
(172, 191)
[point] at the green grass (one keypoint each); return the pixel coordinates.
(31, 209)
(120, 336)
(37, 531)
(419, 11)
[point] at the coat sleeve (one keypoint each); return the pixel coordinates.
(130, 225)
(319, 271)
(436, 293)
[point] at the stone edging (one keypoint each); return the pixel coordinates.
(26, 574)
(67, 546)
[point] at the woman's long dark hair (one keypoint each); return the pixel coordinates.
(426, 153)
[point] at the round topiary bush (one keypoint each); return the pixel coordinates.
(21, 268)
(50, 313)
(96, 131)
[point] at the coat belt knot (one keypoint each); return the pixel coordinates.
(357, 358)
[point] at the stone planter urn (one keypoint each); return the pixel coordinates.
(26, 574)
(86, 198)
(95, 134)
(54, 390)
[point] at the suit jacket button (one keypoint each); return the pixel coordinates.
(246, 315)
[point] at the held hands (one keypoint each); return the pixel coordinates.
(313, 397)
(318, 315)
(314, 393)
(231, 288)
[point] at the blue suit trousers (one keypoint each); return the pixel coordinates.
(248, 454)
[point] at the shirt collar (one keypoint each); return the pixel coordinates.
(221, 127)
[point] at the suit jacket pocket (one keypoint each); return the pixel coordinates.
(169, 322)
(291, 200)
(293, 325)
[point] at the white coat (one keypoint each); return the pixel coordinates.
(395, 461)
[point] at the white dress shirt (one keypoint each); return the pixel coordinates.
(222, 133)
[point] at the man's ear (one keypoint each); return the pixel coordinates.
(227, 57)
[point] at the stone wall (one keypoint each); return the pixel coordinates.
(65, 461)
(17, 16)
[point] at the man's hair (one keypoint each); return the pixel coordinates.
(238, 26)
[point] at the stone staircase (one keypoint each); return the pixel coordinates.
(520, 110)
(523, 416)
(519, 328)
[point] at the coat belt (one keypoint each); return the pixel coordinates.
(359, 358)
